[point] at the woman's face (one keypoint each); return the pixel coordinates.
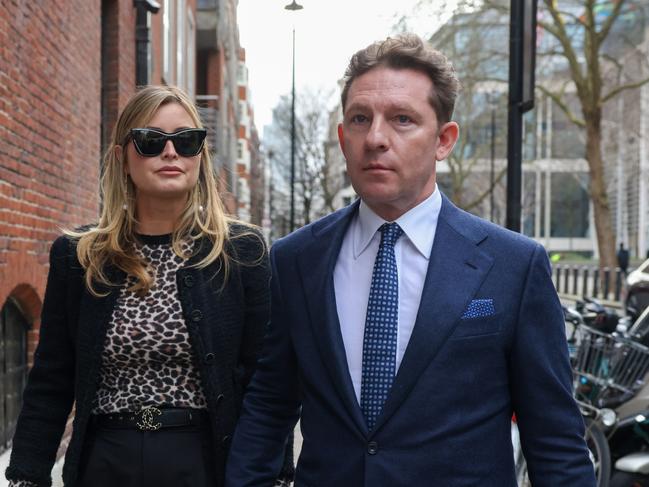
(167, 176)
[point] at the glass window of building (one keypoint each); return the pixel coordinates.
(13, 368)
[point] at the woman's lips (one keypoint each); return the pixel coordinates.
(169, 171)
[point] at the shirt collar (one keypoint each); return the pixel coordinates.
(416, 224)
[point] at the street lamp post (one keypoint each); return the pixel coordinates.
(271, 216)
(293, 6)
(492, 169)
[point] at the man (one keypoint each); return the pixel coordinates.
(404, 331)
(623, 259)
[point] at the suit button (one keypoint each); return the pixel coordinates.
(219, 398)
(196, 315)
(372, 448)
(188, 280)
(226, 440)
(209, 358)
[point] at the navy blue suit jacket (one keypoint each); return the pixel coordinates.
(446, 421)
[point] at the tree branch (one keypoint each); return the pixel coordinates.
(558, 30)
(618, 89)
(564, 107)
(480, 198)
(610, 20)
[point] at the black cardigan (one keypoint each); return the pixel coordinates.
(225, 320)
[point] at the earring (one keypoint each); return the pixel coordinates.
(125, 205)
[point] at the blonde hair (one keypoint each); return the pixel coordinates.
(113, 240)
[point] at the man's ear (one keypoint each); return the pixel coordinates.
(447, 136)
(341, 139)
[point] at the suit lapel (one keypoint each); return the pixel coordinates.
(316, 263)
(456, 269)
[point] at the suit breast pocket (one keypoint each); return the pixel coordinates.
(478, 327)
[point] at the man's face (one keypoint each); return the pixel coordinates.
(391, 139)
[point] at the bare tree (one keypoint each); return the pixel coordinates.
(314, 184)
(579, 63)
(465, 39)
(582, 32)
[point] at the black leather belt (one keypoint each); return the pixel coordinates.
(151, 418)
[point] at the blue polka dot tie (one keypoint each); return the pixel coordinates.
(380, 339)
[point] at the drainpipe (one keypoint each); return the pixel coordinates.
(142, 39)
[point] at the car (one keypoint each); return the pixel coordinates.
(637, 291)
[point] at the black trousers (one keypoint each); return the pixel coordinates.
(170, 457)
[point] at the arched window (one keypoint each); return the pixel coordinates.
(13, 368)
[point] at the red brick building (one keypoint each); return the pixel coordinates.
(67, 67)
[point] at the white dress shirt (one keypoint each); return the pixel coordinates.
(353, 275)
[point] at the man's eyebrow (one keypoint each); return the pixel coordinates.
(355, 106)
(393, 107)
(402, 107)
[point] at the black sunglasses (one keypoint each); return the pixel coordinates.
(151, 142)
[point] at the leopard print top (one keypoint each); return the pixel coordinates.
(147, 357)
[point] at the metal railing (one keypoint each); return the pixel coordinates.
(577, 281)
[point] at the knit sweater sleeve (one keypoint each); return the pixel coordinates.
(21, 483)
(48, 397)
(255, 272)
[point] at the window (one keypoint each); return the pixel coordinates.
(243, 112)
(149, 56)
(570, 205)
(13, 368)
(167, 40)
(529, 203)
(181, 43)
(191, 54)
(242, 74)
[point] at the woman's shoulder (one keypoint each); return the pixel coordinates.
(246, 242)
(245, 235)
(66, 244)
(238, 228)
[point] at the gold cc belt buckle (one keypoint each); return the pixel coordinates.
(146, 422)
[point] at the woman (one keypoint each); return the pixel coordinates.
(152, 319)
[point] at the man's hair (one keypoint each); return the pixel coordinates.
(408, 51)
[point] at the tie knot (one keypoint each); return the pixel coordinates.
(390, 233)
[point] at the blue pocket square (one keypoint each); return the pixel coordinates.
(479, 308)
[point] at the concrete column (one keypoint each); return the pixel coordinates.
(548, 205)
(643, 146)
(538, 198)
(620, 200)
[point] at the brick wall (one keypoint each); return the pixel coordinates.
(118, 65)
(50, 82)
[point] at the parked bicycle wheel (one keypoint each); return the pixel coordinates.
(600, 454)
